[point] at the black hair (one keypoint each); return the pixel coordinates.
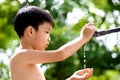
(31, 16)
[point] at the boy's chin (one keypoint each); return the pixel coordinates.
(46, 46)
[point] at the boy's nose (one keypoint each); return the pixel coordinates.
(49, 39)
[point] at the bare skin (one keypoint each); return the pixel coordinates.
(83, 74)
(24, 64)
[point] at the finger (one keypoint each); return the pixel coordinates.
(80, 72)
(84, 76)
(90, 72)
(85, 70)
(90, 27)
(90, 24)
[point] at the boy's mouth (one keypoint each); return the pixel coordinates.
(47, 45)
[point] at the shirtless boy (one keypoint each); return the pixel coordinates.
(33, 26)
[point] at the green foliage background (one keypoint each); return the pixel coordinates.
(98, 56)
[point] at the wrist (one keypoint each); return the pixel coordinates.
(83, 39)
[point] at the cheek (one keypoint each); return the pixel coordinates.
(40, 40)
(38, 43)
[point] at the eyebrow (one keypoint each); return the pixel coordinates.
(49, 29)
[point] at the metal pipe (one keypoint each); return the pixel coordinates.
(101, 33)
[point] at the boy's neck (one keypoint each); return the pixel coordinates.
(24, 44)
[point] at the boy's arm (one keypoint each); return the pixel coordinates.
(71, 47)
(36, 56)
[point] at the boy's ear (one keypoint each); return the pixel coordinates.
(29, 31)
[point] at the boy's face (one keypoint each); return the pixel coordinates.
(41, 37)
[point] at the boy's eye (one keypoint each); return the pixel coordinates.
(47, 31)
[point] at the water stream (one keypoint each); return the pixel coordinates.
(85, 60)
(84, 56)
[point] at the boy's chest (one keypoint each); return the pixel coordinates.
(29, 72)
(37, 72)
(35, 69)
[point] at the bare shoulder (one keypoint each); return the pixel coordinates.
(17, 56)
